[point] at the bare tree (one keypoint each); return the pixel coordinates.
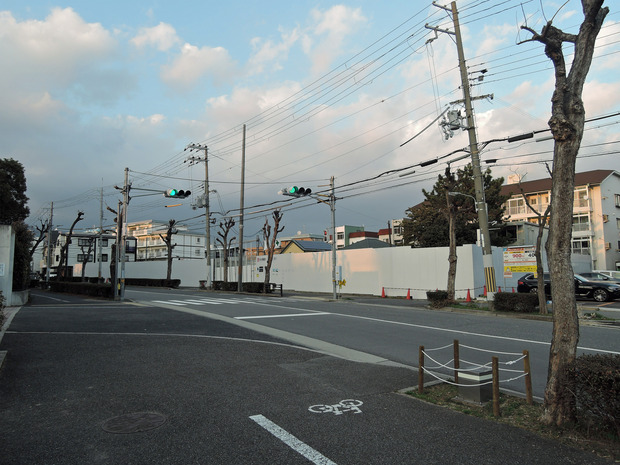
(86, 254)
(63, 265)
(223, 240)
(42, 229)
(566, 124)
(271, 246)
(540, 269)
(169, 245)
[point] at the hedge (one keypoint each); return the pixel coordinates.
(438, 299)
(174, 283)
(516, 302)
(247, 287)
(597, 393)
(94, 290)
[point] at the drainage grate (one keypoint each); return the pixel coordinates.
(134, 422)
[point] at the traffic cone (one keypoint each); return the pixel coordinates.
(383, 292)
(513, 290)
(485, 290)
(408, 294)
(499, 289)
(468, 299)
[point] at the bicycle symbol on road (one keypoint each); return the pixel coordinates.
(346, 405)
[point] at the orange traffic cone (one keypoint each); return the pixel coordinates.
(485, 290)
(468, 299)
(499, 289)
(408, 294)
(513, 290)
(383, 292)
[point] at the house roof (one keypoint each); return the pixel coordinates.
(309, 246)
(542, 185)
(370, 243)
(385, 232)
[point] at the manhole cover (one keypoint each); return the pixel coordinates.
(134, 422)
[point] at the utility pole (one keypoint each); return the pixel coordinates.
(123, 218)
(481, 205)
(332, 205)
(206, 202)
(49, 244)
(240, 278)
(99, 275)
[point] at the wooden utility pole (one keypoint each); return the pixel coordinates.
(240, 277)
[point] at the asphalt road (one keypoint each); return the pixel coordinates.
(390, 331)
(225, 394)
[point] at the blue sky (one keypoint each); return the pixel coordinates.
(324, 88)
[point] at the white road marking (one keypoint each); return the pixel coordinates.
(291, 441)
(280, 316)
(167, 302)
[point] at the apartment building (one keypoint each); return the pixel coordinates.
(596, 212)
(151, 246)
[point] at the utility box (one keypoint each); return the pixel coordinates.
(476, 386)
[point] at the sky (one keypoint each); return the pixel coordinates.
(90, 89)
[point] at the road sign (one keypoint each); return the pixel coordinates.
(519, 260)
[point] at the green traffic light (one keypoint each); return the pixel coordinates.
(172, 192)
(293, 190)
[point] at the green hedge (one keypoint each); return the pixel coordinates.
(174, 283)
(515, 302)
(438, 299)
(247, 287)
(94, 290)
(597, 393)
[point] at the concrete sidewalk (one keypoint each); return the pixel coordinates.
(200, 384)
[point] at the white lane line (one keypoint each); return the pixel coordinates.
(280, 316)
(167, 302)
(291, 441)
(201, 302)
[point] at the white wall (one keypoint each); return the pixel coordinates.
(366, 271)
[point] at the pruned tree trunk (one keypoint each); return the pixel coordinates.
(566, 123)
(64, 250)
(277, 217)
(452, 257)
(225, 228)
(169, 246)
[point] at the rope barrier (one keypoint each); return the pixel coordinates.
(453, 365)
(490, 351)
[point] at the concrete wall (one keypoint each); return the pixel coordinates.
(395, 270)
(7, 244)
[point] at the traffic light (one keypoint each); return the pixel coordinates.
(177, 193)
(295, 191)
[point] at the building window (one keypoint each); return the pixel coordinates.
(581, 223)
(340, 236)
(581, 246)
(516, 206)
(104, 242)
(104, 257)
(197, 240)
(84, 258)
(617, 200)
(197, 252)
(84, 241)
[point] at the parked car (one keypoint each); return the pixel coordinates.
(598, 276)
(529, 283)
(601, 291)
(610, 273)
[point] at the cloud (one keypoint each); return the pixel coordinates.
(163, 37)
(331, 29)
(267, 52)
(195, 63)
(53, 50)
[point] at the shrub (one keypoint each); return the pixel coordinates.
(515, 302)
(174, 283)
(1, 309)
(93, 290)
(438, 299)
(597, 393)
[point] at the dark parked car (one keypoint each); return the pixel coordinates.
(601, 291)
(529, 283)
(596, 276)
